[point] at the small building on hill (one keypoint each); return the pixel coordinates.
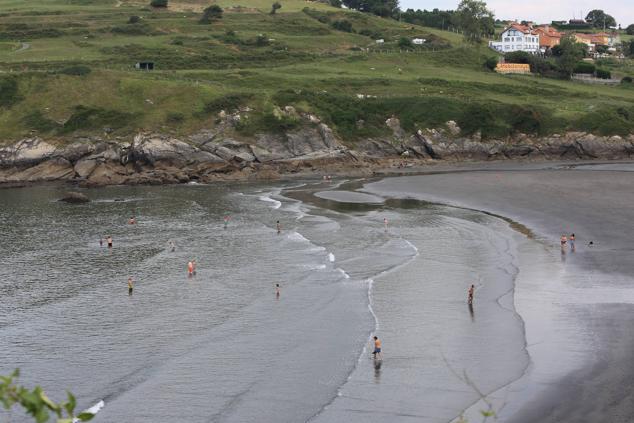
(549, 37)
(513, 68)
(148, 66)
(517, 37)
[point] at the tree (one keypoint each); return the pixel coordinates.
(342, 25)
(275, 6)
(212, 13)
(158, 3)
(600, 19)
(378, 7)
(405, 42)
(571, 53)
(474, 19)
(134, 19)
(37, 403)
(630, 29)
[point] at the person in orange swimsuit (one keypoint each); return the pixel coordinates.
(377, 348)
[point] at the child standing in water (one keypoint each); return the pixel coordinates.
(130, 285)
(571, 238)
(109, 241)
(190, 269)
(470, 295)
(277, 290)
(385, 222)
(279, 227)
(377, 348)
(563, 241)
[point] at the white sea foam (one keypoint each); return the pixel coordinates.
(343, 272)
(296, 236)
(331, 257)
(267, 197)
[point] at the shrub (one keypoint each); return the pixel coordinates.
(405, 42)
(335, 3)
(630, 29)
(342, 25)
(77, 70)
(138, 29)
(626, 80)
(604, 74)
(585, 67)
(606, 121)
(212, 13)
(9, 91)
(375, 35)
(134, 19)
(175, 118)
(93, 117)
(228, 103)
(158, 3)
(262, 40)
(275, 6)
(37, 121)
(491, 63)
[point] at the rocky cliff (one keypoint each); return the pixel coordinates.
(217, 154)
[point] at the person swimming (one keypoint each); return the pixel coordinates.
(470, 294)
(130, 285)
(377, 348)
(132, 220)
(109, 241)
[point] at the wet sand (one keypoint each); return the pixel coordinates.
(577, 307)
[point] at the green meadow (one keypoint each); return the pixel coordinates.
(67, 70)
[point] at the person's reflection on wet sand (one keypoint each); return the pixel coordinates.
(472, 313)
(377, 370)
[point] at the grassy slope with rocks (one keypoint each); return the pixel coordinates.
(66, 70)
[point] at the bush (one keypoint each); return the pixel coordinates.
(175, 118)
(262, 40)
(335, 3)
(37, 121)
(630, 29)
(158, 3)
(138, 29)
(604, 74)
(212, 13)
(229, 103)
(375, 35)
(77, 70)
(491, 63)
(626, 80)
(483, 118)
(9, 91)
(275, 6)
(342, 25)
(607, 121)
(134, 19)
(93, 117)
(405, 42)
(585, 67)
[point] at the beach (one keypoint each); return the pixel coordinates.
(546, 339)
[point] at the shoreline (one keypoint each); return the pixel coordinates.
(590, 292)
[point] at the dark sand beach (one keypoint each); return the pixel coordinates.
(577, 306)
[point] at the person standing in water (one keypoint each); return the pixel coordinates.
(109, 241)
(279, 227)
(101, 242)
(130, 285)
(571, 239)
(277, 290)
(385, 222)
(172, 246)
(563, 241)
(132, 220)
(226, 221)
(470, 295)
(194, 267)
(190, 269)
(377, 349)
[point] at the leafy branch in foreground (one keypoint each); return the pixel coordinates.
(37, 403)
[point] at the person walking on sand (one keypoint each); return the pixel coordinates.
(190, 269)
(279, 227)
(130, 285)
(109, 241)
(571, 239)
(470, 294)
(563, 241)
(377, 349)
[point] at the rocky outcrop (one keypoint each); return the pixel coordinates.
(74, 198)
(219, 154)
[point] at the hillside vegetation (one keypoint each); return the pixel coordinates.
(67, 70)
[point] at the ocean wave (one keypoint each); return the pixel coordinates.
(343, 273)
(267, 198)
(296, 236)
(331, 257)
(93, 410)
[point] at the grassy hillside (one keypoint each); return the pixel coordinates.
(66, 69)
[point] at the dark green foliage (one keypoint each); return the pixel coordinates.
(210, 14)
(491, 63)
(378, 7)
(77, 70)
(585, 67)
(436, 18)
(599, 19)
(538, 64)
(335, 3)
(604, 74)
(24, 32)
(262, 40)
(474, 20)
(134, 19)
(9, 91)
(405, 43)
(630, 29)
(138, 29)
(174, 118)
(626, 80)
(482, 118)
(375, 35)
(38, 122)
(608, 121)
(342, 25)
(87, 118)
(275, 6)
(229, 103)
(159, 3)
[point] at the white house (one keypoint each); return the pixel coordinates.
(418, 41)
(517, 38)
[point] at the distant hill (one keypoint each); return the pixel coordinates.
(67, 69)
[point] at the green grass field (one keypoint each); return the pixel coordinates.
(294, 57)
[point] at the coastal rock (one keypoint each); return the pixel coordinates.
(50, 170)
(75, 198)
(84, 167)
(395, 125)
(26, 152)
